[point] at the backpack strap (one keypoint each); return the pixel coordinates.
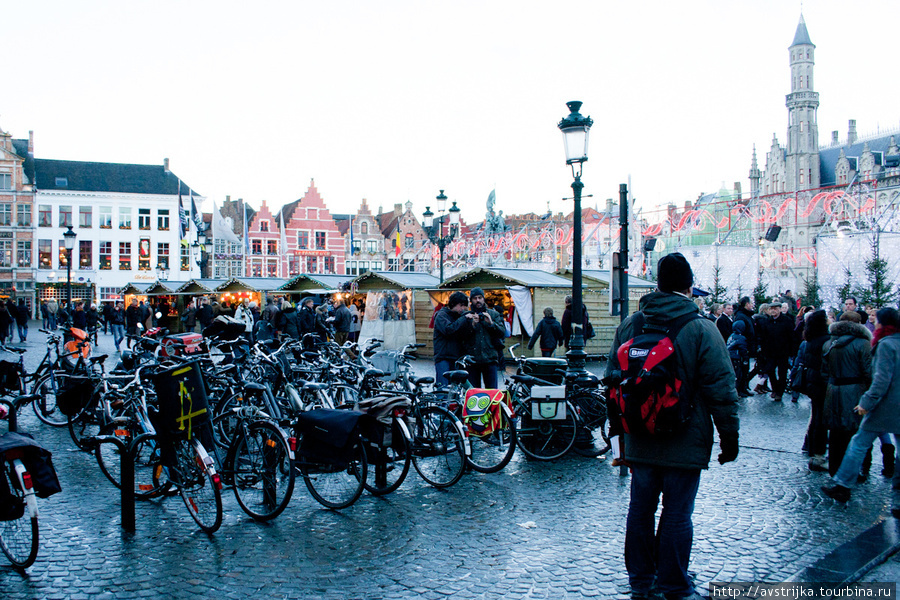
(673, 328)
(637, 324)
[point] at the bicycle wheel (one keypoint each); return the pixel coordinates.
(263, 471)
(545, 439)
(149, 476)
(201, 494)
(593, 432)
(18, 536)
(438, 451)
(109, 457)
(336, 481)
(388, 462)
(85, 425)
(492, 452)
(44, 404)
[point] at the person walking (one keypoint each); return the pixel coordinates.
(117, 324)
(6, 320)
(52, 309)
(487, 330)
(242, 313)
(22, 316)
(567, 323)
(739, 353)
(671, 465)
(880, 411)
(549, 332)
(450, 329)
(343, 319)
(355, 322)
(725, 321)
(847, 365)
(79, 316)
(45, 315)
(776, 342)
(189, 318)
(205, 314)
(107, 313)
(815, 336)
(133, 316)
(289, 321)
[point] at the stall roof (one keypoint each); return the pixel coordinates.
(397, 279)
(603, 277)
(254, 284)
(526, 277)
(135, 288)
(308, 281)
(200, 286)
(164, 287)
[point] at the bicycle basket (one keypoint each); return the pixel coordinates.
(387, 361)
(10, 378)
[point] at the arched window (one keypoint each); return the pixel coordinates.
(364, 228)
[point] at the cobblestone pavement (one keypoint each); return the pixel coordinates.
(535, 530)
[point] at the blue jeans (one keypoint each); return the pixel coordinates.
(441, 367)
(118, 332)
(860, 443)
(23, 332)
(663, 552)
(488, 372)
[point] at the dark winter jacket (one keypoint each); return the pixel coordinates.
(705, 368)
(342, 319)
(812, 362)
(567, 324)
(306, 319)
(737, 346)
(847, 364)
(79, 319)
(93, 317)
(724, 324)
(484, 337)
(450, 332)
(117, 317)
(550, 333)
(289, 323)
(21, 314)
(189, 318)
(883, 398)
(132, 318)
(776, 337)
(746, 317)
(205, 315)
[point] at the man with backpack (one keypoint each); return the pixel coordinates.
(667, 456)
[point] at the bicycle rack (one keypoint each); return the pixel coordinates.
(127, 474)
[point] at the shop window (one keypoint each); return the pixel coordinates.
(311, 264)
(85, 254)
(45, 215)
(105, 217)
(144, 254)
(105, 256)
(23, 253)
(320, 240)
(256, 269)
(65, 216)
(124, 256)
(109, 294)
(85, 215)
(23, 215)
(45, 254)
(162, 219)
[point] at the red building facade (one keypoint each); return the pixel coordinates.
(314, 243)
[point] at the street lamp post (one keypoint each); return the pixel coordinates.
(162, 271)
(575, 129)
(197, 249)
(434, 228)
(69, 240)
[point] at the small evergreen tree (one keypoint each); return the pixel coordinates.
(811, 291)
(880, 291)
(718, 291)
(846, 290)
(761, 291)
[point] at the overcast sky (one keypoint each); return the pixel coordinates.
(395, 100)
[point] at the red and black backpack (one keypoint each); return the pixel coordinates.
(643, 384)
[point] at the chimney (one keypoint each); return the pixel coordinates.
(851, 133)
(166, 165)
(227, 199)
(398, 209)
(31, 142)
(835, 140)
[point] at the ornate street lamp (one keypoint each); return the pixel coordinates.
(434, 228)
(69, 240)
(198, 251)
(162, 271)
(575, 129)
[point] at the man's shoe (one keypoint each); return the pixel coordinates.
(760, 389)
(818, 463)
(887, 460)
(837, 492)
(744, 393)
(776, 397)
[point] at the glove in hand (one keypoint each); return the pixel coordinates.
(729, 446)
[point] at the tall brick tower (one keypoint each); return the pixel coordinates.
(802, 153)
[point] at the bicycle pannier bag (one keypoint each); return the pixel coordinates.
(73, 393)
(10, 381)
(11, 507)
(482, 412)
(644, 387)
(36, 459)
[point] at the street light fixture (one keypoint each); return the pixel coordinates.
(197, 250)
(576, 129)
(434, 228)
(69, 241)
(162, 271)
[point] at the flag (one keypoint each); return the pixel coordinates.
(283, 237)
(397, 249)
(351, 235)
(221, 229)
(183, 223)
(196, 215)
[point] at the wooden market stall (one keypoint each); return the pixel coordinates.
(596, 298)
(135, 290)
(393, 301)
(163, 297)
(519, 295)
(313, 284)
(255, 289)
(196, 288)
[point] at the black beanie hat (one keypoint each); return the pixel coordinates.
(674, 273)
(476, 291)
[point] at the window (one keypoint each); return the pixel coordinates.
(63, 254)
(144, 218)
(303, 240)
(125, 217)
(144, 254)
(264, 225)
(272, 248)
(320, 240)
(802, 180)
(85, 215)
(62, 182)
(185, 258)
(85, 254)
(124, 256)
(355, 247)
(311, 264)
(271, 269)
(6, 249)
(162, 219)
(105, 217)
(5, 181)
(410, 241)
(364, 228)
(65, 216)
(105, 256)
(256, 246)
(45, 215)
(23, 253)
(162, 255)
(329, 264)
(45, 254)
(109, 294)
(23, 215)
(5, 214)
(372, 246)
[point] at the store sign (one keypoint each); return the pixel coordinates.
(144, 276)
(312, 252)
(6, 235)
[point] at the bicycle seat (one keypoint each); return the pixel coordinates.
(421, 380)
(374, 373)
(456, 376)
(98, 359)
(311, 385)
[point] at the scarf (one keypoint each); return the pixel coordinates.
(883, 332)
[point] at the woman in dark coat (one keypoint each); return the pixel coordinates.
(847, 364)
(815, 336)
(6, 320)
(549, 332)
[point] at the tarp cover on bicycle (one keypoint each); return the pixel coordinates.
(36, 459)
(329, 435)
(183, 407)
(481, 411)
(381, 408)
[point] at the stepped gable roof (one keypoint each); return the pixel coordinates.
(342, 222)
(21, 148)
(801, 38)
(107, 177)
